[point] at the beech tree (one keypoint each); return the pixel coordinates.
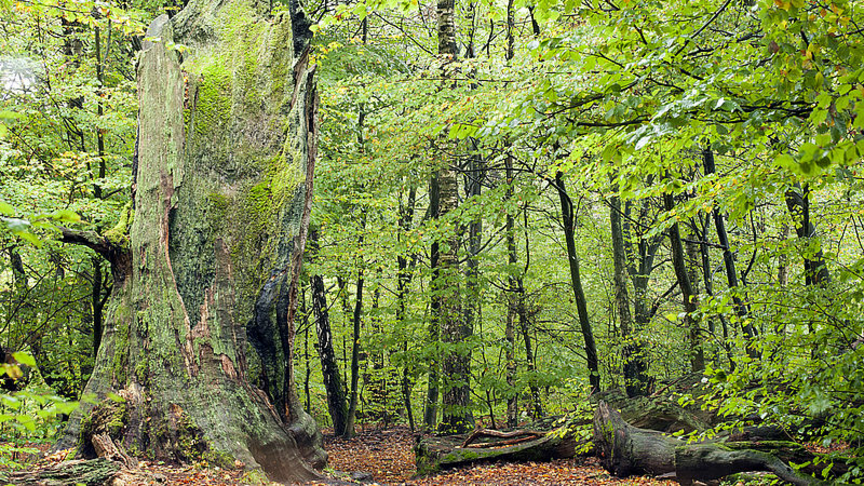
(206, 260)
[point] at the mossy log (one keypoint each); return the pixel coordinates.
(625, 450)
(657, 411)
(206, 265)
(436, 453)
(95, 472)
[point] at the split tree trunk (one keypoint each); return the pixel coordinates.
(222, 193)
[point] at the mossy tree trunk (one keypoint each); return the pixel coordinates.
(206, 276)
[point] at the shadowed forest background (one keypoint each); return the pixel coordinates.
(520, 210)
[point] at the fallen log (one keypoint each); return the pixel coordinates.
(625, 450)
(658, 412)
(435, 453)
(94, 472)
(522, 435)
(713, 461)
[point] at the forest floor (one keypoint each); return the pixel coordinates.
(381, 457)
(387, 455)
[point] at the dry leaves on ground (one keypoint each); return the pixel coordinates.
(388, 456)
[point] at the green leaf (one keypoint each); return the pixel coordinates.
(24, 358)
(6, 209)
(65, 216)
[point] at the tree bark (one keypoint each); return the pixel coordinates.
(436, 453)
(455, 331)
(635, 381)
(96, 472)
(430, 409)
(222, 196)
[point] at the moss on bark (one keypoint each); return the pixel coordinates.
(220, 194)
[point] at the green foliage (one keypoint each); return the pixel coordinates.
(28, 416)
(622, 98)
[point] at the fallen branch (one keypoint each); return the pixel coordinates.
(500, 435)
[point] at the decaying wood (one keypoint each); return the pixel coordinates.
(626, 450)
(106, 448)
(714, 461)
(95, 472)
(658, 412)
(436, 453)
(521, 434)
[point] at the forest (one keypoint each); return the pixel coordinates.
(239, 235)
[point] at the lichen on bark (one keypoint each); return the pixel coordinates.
(221, 196)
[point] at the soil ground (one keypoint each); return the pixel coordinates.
(388, 456)
(383, 457)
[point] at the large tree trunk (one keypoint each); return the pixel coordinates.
(222, 196)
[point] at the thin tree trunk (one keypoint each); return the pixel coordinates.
(333, 385)
(640, 264)
(456, 359)
(568, 219)
(709, 289)
(513, 298)
(530, 360)
(798, 203)
(635, 381)
(403, 280)
(741, 307)
(783, 263)
(679, 264)
(356, 322)
(430, 410)
(306, 325)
